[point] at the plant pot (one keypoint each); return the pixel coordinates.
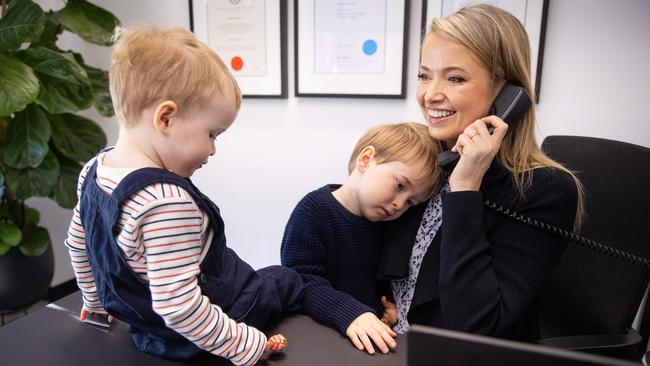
(23, 279)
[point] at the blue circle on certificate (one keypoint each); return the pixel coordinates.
(369, 47)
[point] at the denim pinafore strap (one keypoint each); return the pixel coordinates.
(227, 280)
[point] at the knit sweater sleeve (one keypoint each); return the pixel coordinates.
(304, 249)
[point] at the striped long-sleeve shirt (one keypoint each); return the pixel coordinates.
(164, 237)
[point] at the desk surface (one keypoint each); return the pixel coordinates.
(54, 336)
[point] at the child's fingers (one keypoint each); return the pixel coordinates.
(355, 340)
(367, 343)
(110, 318)
(83, 314)
(379, 340)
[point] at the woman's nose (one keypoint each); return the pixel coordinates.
(434, 92)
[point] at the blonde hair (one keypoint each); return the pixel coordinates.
(150, 64)
(500, 43)
(407, 142)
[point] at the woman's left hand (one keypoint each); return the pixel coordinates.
(477, 149)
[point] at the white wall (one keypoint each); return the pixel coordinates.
(595, 82)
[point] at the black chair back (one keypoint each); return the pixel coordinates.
(590, 293)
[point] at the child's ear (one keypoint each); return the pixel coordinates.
(365, 158)
(162, 116)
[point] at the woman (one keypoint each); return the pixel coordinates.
(469, 268)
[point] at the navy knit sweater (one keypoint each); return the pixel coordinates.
(337, 254)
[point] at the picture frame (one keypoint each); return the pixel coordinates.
(352, 49)
(250, 36)
(532, 14)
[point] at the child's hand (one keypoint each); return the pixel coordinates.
(368, 327)
(390, 312)
(276, 343)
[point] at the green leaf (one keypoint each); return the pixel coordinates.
(24, 22)
(35, 241)
(29, 182)
(32, 216)
(4, 248)
(50, 33)
(99, 80)
(65, 87)
(90, 22)
(5, 215)
(76, 137)
(26, 139)
(10, 234)
(18, 85)
(65, 192)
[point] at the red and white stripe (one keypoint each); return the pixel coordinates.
(163, 237)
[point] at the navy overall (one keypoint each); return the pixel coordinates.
(246, 295)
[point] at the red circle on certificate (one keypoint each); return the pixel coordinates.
(236, 63)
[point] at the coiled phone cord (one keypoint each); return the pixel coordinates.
(582, 241)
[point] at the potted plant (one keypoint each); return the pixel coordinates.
(43, 142)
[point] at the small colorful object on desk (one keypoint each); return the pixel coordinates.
(277, 343)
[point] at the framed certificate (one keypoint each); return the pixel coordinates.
(250, 37)
(531, 13)
(353, 48)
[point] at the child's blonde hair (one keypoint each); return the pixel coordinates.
(152, 64)
(407, 142)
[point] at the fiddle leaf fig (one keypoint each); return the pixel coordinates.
(35, 241)
(32, 216)
(50, 32)
(18, 85)
(43, 143)
(65, 191)
(10, 234)
(90, 22)
(65, 87)
(99, 80)
(27, 137)
(24, 22)
(29, 182)
(76, 137)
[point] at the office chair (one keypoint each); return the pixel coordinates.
(590, 301)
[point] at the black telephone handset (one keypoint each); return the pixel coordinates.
(511, 105)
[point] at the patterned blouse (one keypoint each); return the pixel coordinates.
(404, 288)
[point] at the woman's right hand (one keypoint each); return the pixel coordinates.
(477, 148)
(367, 327)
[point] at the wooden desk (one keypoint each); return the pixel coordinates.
(54, 336)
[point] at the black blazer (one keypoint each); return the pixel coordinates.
(483, 271)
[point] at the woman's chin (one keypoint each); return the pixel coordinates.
(442, 134)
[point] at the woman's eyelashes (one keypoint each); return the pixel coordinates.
(456, 79)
